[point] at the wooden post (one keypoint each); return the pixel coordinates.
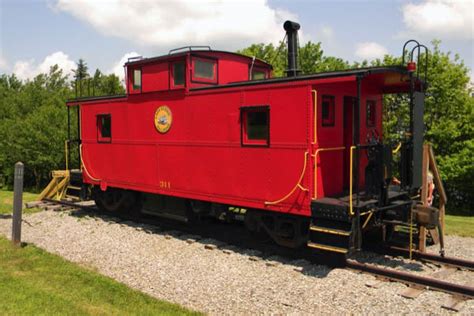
(429, 163)
(443, 199)
(17, 203)
(424, 196)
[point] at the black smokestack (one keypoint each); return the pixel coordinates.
(291, 29)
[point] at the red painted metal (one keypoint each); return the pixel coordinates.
(202, 155)
(411, 66)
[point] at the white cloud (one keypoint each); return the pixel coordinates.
(117, 69)
(440, 18)
(167, 23)
(28, 69)
(327, 33)
(370, 50)
(3, 63)
(24, 69)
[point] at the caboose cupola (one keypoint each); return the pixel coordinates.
(190, 68)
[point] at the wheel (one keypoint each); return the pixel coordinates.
(116, 201)
(195, 210)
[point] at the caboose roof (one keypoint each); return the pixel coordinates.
(184, 53)
(379, 74)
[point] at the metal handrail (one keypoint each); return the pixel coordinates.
(129, 59)
(189, 48)
(315, 110)
(351, 209)
(297, 186)
(315, 156)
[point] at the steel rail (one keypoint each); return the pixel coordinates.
(412, 279)
(423, 256)
(449, 261)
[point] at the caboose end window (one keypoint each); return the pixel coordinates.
(258, 75)
(370, 115)
(255, 126)
(178, 74)
(104, 128)
(328, 109)
(137, 79)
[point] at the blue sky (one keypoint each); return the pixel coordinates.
(37, 34)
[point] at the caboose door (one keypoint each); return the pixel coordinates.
(347, 132)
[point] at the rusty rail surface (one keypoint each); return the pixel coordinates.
(413, 279)
(430, 257)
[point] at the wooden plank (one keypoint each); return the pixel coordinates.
(33, 204)
(454, 303)
(442, 212)
(49, 187)
(412, 292)
(375, 284)
(435, 235)
(442, 274)
(437, 176)
(44, 205)
(439, 186)
(53, 207)
(424, 196)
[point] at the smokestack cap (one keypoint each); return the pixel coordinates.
(291, 26)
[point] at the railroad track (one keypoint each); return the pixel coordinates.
(417, 282)
(429, 257)
(225, 233)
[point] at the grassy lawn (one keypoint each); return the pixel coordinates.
(6, 201)
(460, 225)
(35, 282)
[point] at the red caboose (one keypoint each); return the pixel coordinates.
(203, 132)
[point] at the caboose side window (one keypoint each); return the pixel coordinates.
(137, 79)
(104, 128)
(255, 127)
(370, 114)
(204, 70)
(328, 109)
(178, 73)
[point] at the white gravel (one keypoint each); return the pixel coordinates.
(221, 279)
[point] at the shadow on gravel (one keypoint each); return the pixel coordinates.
(389, 262)
(234, 238)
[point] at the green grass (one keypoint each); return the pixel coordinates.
(6, 201)
(459, 225)
(35, 282)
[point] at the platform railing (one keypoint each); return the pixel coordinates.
(351, 172)
(351, 158)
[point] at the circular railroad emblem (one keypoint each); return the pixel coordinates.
(163, 119)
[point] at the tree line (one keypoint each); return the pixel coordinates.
(33, 124)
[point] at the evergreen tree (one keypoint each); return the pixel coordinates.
(81, 77)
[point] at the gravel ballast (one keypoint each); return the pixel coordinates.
(206, 275)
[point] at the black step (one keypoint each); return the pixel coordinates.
(331, 209)
(72, 187)
(327, 247)
(331, 231)
(330, 235)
